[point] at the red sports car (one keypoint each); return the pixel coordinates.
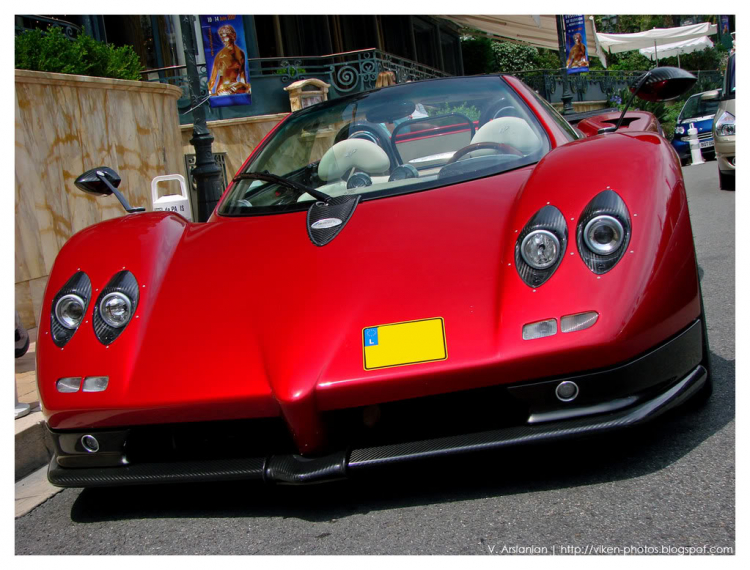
(417, 271)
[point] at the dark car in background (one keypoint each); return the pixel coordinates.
(699, 110)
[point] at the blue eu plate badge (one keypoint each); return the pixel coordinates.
(371, 336)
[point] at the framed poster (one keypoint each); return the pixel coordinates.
(226, 63)
(575, 44)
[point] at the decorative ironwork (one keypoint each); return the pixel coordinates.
(221, 161)
(26, 22)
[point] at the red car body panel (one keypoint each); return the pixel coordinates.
(244, 317)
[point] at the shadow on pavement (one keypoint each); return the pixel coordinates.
(623, 455)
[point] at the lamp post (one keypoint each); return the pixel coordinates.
(206, 172)
(567, 96)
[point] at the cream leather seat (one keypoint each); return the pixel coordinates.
(512, 131)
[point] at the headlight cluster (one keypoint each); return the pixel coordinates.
(725, 125)
(679, 130)
(69, 307)
(112, 311)
(603, 234)
(541, 245)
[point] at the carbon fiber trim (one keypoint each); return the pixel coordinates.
(508, 437)
(152, 473)
(79, 284)
(339, 208)
(122, 282)
(295, 469)
(605, 203)
(551, 219)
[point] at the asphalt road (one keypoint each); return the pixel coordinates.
(669, 485)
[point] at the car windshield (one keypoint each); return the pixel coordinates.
(696, 107)
(729, 78)
(403, 138)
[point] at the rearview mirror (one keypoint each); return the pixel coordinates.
(663, 84)
(103, 181)
(91, 183)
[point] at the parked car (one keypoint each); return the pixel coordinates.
(723, 128)
(698, 111)
(372, 290)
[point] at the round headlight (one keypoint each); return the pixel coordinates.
(115, 309)
(540, 249)
(679, 130)
(604, 235)
(69, 311)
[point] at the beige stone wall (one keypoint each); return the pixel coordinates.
(65, 125)
(236, 137)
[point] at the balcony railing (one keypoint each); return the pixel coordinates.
(24, 23)
(599, 85)
(348, 72)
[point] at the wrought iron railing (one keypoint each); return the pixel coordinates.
(598, 85)
(24, 23)
(348, 72)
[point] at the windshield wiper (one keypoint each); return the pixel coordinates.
(268, 177)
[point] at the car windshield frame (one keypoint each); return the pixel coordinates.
(237, 201)
(701, 103)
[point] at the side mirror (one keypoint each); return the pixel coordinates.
(659, 84)
(663, 84)
(91, 183)
(711, 95)
(103, 181)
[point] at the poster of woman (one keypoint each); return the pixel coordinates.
(575, 44)
(226, 63)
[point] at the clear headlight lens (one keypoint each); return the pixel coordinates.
(679, 130)
(115, 309)
(95, 383)
(69, 311)
(604, 235)
(540, 249)
(539, 329)
(725, 125)
(69, 385)
(579, 322)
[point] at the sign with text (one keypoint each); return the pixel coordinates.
(226, 63)
(575, 44)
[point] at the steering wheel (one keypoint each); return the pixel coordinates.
(368, 133)
(501, 147)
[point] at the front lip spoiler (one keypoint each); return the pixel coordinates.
(294, 469)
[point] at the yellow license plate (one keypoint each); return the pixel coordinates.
(401, 344)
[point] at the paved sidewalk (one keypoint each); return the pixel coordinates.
(26, 374)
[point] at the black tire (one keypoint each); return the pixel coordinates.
(726, 181)
(21, 351)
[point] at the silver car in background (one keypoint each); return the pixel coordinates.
(724, 128)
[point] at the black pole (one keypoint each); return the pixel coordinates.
(206, 172)
(567, 96)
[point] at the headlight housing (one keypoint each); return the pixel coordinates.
(69, 308)
(725, 125)
(115, 307)
(679, 130)
(541, 245)
(603, 232)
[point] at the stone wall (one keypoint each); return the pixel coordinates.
(65, 125)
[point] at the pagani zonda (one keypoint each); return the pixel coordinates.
(420, 270)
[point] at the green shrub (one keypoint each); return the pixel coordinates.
(51, 51)
(469, 111)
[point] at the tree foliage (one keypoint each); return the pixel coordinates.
(51, 51)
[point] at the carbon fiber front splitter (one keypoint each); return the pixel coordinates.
(295, 469)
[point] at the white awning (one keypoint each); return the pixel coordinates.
(677, 48)
(616, 43)
(538, 31)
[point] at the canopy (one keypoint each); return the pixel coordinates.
(616, 43)
(677, 48)
(538, 31)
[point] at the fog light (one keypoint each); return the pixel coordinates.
(69, 384)
(89, 443)
(540, 329)
(566, 391)
(579, 322)
(95, 383)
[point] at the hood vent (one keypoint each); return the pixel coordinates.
(326, 219)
